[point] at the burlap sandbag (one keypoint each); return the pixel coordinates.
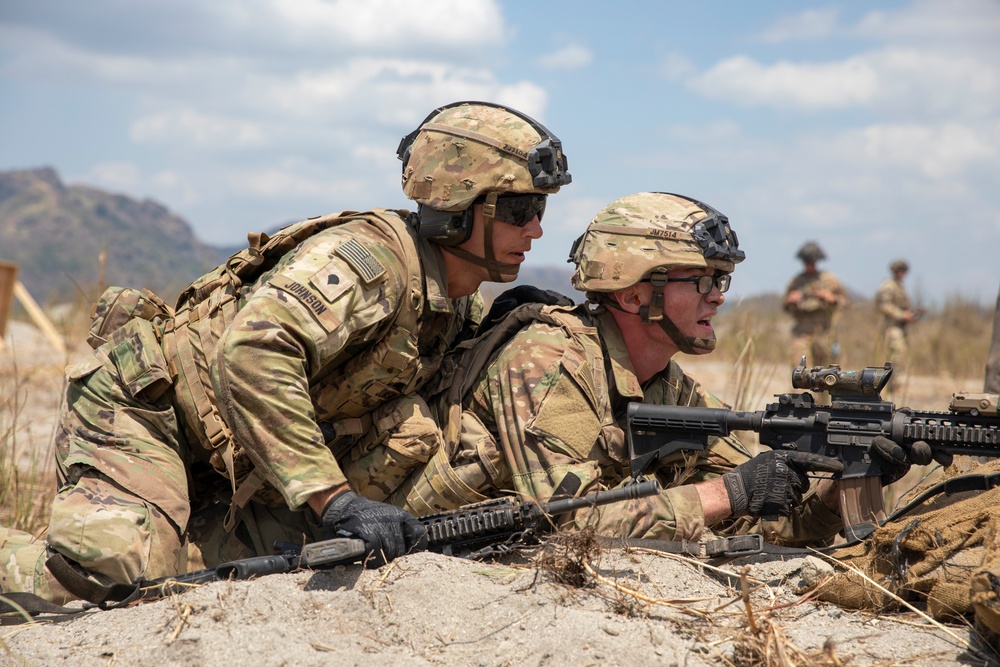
(945, 554)
(985, 591)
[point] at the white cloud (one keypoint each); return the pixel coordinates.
(746, 82)
(191, 127)
(389, 87)
(905, 81)
(177, 188)
(938, 152)
(573, 56)
(380, 23)
(963, 23)
(116, 176)
(267, 183)
(808, 25)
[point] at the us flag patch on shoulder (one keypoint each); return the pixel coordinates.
(362, 261)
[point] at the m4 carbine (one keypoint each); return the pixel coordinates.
(844, 430)
(474, 531)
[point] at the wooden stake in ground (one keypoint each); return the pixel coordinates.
(8, 277)
(39, 318)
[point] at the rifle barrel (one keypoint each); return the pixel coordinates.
(627, 492)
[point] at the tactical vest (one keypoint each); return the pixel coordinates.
(206, 309)
(462, 373)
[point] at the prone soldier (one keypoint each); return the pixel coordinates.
(537, 403)
(205, 433)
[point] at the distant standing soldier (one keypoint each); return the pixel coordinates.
(893, 303)
(992, 382)
(814, 298)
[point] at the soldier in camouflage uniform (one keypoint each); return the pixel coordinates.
(893, 304)
(536, 405)
(198, 434)
(813, 298)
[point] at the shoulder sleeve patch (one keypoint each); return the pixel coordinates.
(362, 261)
(315, 303)
(332, 280)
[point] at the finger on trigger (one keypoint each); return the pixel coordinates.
(816, 462)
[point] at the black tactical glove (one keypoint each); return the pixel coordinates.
(772, 483)
(387, 531)
(896, 460)
(519, 295)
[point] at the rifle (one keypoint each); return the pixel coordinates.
(844, 430)
(475, 531)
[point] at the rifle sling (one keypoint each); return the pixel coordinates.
(962, 484)
(13, 606)
(71, 576)
(723, 547)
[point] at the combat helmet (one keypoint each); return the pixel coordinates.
(899, 265)
(475, 152)
(811, 252)
(642, 237)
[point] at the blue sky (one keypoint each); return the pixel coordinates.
(871, 127)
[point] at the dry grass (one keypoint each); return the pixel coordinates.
(951, 342)
(26, 473)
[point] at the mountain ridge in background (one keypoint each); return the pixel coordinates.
(56, 233)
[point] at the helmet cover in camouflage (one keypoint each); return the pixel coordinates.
(468, 149)
(811, 252)
(899, 265)
(636, 235)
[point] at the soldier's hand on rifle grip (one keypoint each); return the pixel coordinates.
(387, 531)
(772, 483)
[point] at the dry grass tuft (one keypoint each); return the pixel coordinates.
(764, 643)
(565, 555)
(768, 646)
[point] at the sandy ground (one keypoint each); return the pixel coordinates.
(634, 608)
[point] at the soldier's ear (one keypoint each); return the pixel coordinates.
(630, 299)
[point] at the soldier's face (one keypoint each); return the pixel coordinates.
(690, 311)
(510, 243)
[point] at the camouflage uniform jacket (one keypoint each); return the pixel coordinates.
(893, 303)
(813, 314)
(346, 320)
(550, 404)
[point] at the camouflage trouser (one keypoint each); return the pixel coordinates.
(817, 347)
(122, 509)
(22, 557)
(22, 567)
(895, 345)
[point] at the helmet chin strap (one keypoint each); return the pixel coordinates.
(497, 269)
(654, 313)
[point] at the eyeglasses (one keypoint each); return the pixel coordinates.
(518, 210)
(704, 284)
